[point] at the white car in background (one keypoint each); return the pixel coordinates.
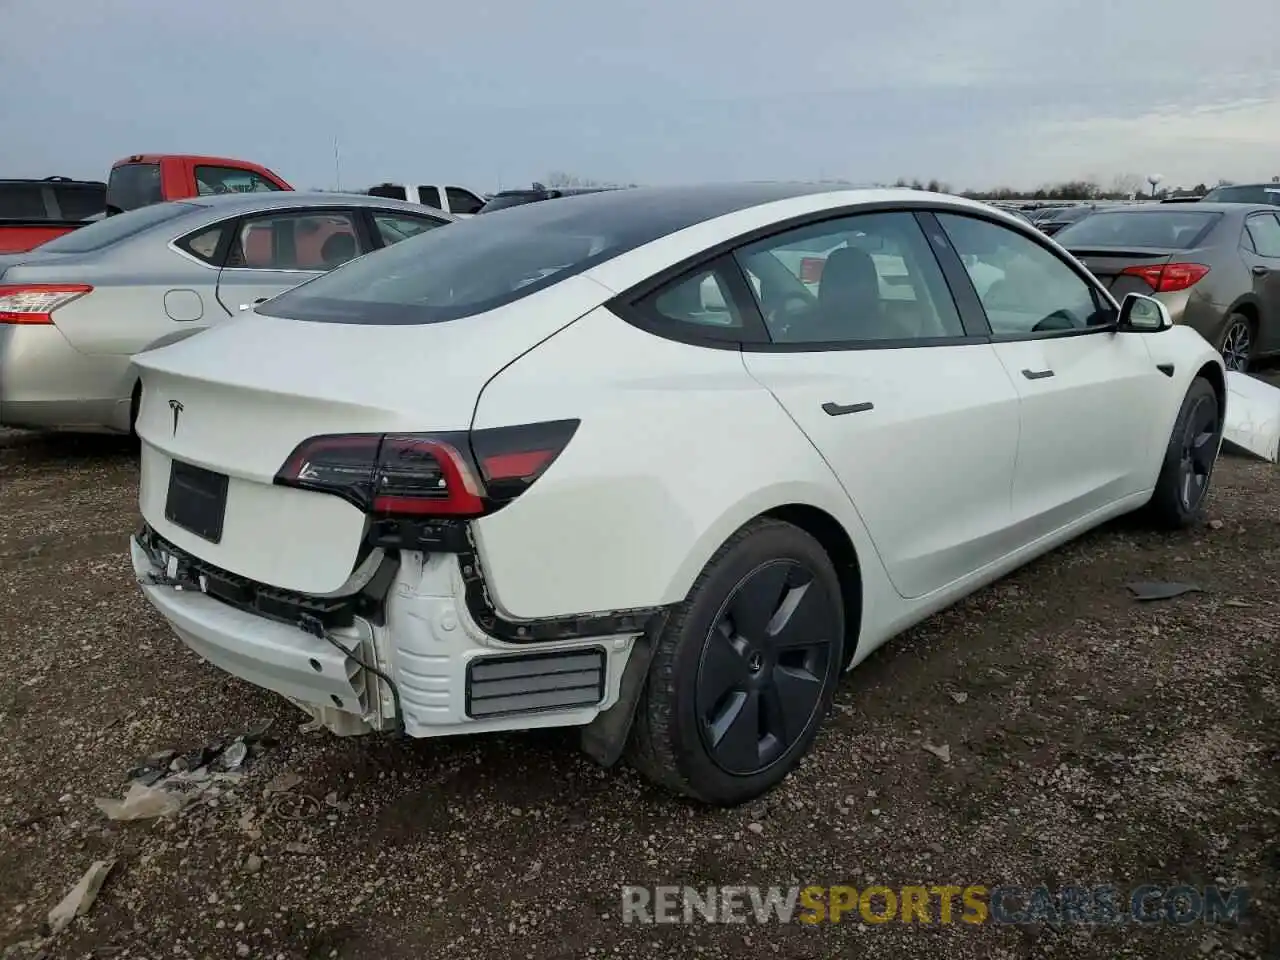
(519, 473)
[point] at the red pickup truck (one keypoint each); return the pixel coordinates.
(34, 211)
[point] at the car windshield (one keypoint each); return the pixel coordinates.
(1170, 229)
(111, 230)
(1269, 193)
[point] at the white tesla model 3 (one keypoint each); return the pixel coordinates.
(656, 463)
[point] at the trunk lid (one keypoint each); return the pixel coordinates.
(239, 398)
(1109, 263)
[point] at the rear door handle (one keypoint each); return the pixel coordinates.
(1260, 271)
(1037, 374)
(840, 409)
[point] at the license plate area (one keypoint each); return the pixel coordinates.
(197, 500)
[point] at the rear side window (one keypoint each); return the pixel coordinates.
(430, 196)
(206, 244)
(311, 240)
(702, 298)
(22, 201)
(1264, 231)
(80, 201)
(112, 230)
(463, 201)
(502, 201)
(133, 185)
(1169, 229)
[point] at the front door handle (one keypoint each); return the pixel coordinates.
(1037, 374)
(840, 409)
(1260, 271)
(250, 306)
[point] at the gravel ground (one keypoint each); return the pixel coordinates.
(1091, 739)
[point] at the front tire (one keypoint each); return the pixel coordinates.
(745, 669)
(1183, 486)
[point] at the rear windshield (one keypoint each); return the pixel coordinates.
(1169, 229)
(110, 230)
(133, 185)
(1258, 194)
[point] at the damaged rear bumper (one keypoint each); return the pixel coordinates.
(416, 661)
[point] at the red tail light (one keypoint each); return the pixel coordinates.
(427, 475)
(35, 302)
(811, 269)
(1169, 277)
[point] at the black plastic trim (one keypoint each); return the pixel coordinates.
(1165, 368)
(602, 685)
(832, 409)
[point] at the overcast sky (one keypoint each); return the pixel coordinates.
(500, 92)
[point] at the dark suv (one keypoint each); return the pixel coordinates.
(515, 198)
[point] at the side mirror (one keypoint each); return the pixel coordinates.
(1139, 314)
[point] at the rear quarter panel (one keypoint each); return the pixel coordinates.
(677, 448)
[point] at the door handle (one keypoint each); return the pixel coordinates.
(250, 306)
(840, 409)
(1260, 271)
(1037, 374)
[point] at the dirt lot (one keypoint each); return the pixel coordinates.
(1092, 739)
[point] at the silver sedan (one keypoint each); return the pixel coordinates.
(74, 311)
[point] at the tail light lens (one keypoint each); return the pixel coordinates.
(35, 302)
(811, 269)
(1169, 277)
(427, 475)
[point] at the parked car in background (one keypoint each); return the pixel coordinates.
(1268, 193)
(517, 198)
(144, 179)
(1215, 266)
(75, 310)
(518, 473)
(1053, 219)
(455, 200)
(35, 211)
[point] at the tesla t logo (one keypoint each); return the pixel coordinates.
(176, 407)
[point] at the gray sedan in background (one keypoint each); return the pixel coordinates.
(74, 311)
(1216, 266)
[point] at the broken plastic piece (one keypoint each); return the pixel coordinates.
(1159, 590)
(142, 802)
(79, 900)
(1252, 425)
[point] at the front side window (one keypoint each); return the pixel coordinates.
(1024, 287)
(308, 240)
(462, 201)
(429, 196)
(1264, 231)
(860, 279)
(218, 180)
(394, 227)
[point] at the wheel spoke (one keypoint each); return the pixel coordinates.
(789, 701)
(757, 601)
(723, 667)
(735, 732)
(803, 619)
(1202, 452)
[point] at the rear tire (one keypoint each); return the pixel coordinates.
(1237, 342)
(744, 670)
(1182, 488)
